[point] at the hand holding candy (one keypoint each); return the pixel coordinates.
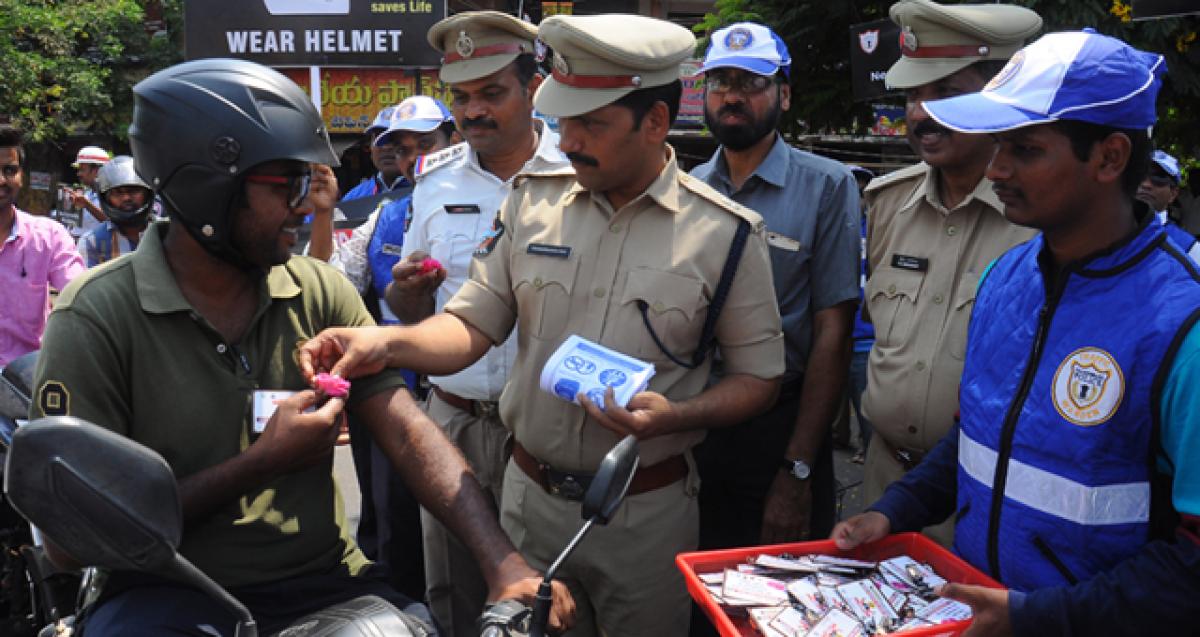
(430, 264)
(333, 386)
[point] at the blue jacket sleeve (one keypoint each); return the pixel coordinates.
(925, 495)
(1160, 585)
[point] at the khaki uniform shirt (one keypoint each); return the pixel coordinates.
(125, 350)
(925, 263)
(560, 261)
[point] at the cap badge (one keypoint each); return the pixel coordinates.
(406, 111)
(1006, 73)
(560, 64)
(540, 50)
(908, 39)
(738, 39)
(464, 45)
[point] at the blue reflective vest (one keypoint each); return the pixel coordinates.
(383, 251)
(1059, 402)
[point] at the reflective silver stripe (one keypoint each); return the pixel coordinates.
(1056, 495)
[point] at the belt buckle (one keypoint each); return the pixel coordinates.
(485, 408)
(568, 487)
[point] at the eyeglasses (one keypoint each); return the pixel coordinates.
(746, 84)
(1161, 181)
(297, 185)
(10, 170)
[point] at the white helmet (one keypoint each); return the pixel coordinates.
(91, 155)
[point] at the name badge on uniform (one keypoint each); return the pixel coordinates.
(461, 209)
(390, 249)
(547, 250)
(905, 262)
(776, 240)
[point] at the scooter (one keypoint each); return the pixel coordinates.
(113, 503)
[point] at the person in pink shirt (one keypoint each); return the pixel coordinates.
(36, 253)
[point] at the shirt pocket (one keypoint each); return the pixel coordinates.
(892, 303)
(542, 286)
(673, 309)
(960, 316)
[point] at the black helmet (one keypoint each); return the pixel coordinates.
(119, 171)
(199, 126)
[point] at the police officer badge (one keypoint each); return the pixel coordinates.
(464, 45)
(1088, 387)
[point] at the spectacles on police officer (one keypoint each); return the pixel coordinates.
(297, 185)
(744, 83)
(1160, 181)
(10, 170)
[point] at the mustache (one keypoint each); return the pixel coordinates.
(480, 122)
(732, 109)
(586, 160)
(930, 127)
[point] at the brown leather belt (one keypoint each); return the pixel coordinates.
(908, 458)
(572, 486)
(477, 408)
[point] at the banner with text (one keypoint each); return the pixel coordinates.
(874, 47)
(314, 32)
(350, 98)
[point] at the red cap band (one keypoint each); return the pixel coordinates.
(597, 81)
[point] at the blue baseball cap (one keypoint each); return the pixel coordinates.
(1169, 164)
(1076, 75)
(382, 118)
(418, 114)
(747, 46)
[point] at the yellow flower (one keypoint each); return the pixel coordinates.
(1122, 10)
(1183, 42)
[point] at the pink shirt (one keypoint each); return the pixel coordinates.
(37, 254)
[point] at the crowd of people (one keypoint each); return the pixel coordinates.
(1013, 319)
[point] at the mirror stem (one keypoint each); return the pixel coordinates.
(187, 573)
(541, 605)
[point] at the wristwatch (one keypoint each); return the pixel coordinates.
(798, 469)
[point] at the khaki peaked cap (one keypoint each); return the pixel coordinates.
(476, 44)
(599, 59)
(939, 40)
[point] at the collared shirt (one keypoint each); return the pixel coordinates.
(453, 206)
(124, 349)
(38, 254)
(560, 261)
(88, 221)
(103, 243)
(925, 264)
(810, 205)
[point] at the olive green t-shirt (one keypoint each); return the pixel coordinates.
(124, 349)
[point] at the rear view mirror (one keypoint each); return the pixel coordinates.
(611, 481)
(104, 499)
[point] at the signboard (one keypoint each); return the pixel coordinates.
(314, 32)
(691, 103)
(874, 47)
(350, 98)
(1146, 9)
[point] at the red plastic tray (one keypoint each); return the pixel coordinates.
(921, 548)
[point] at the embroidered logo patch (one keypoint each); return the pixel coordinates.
(1088, 387)
(490, 238)
(54, 399)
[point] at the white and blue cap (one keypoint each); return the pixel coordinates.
(382, 118)
(1076, 75)
(417, 114)
(748, 46)
(1167, 163)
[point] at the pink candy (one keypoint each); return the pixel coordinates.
(334, 386)
(430, 265)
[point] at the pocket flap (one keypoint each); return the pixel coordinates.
(664, 291)
(892, 282)
(541, 271)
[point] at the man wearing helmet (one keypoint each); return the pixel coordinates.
(128, 203)
(208, 312)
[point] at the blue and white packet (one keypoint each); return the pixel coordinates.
(579, 365)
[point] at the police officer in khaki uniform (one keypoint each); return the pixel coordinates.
(932, 230)
(490, 66)
(628, 252)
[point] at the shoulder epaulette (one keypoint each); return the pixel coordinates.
(896, 176)
(431, 162)
(558, 171)
(703, 190)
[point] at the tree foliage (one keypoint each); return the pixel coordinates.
(817, 34)
(69, 64)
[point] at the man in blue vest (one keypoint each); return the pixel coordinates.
(1074, 471)
(383, 157)
(1159, 190)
